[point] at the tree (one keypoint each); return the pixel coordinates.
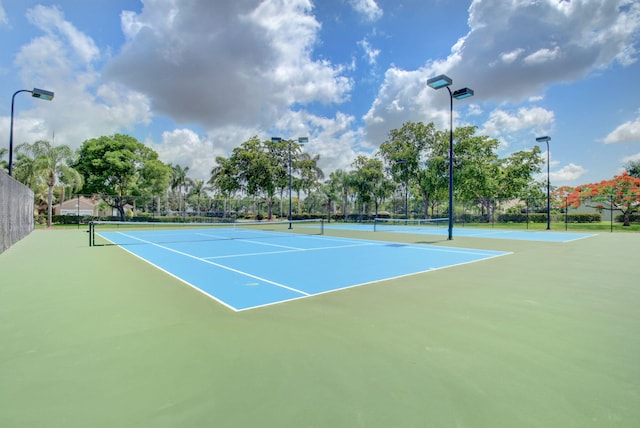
(331, 192)
(118, 166)
(179, 183)
(224, 179)
(369, 182)
(517, 171)
(50, 165)
(476, 165)
(255, 167)
(633, 168)
(480, 175)
(4, 165)
(621, 193)
(410, 147)
(197, 190)
(310, 174)
(280, 152)
(343, 182)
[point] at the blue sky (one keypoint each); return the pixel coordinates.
(195, 79)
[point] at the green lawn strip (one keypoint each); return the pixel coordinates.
(545, 337)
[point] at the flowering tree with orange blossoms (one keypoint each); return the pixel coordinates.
(621, 193)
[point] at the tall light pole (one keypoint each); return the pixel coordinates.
(406, 186)
(301, 140)
(439, 82)
(546, 139)
(36, 93)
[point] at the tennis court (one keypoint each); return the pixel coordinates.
(250, 265)
(545, 337)
(440, 227)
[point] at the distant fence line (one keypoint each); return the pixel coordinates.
(171, 208)
(16, 211)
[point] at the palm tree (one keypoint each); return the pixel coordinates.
(179, 181)
(48, 164)
(343, 181)
(198, 189)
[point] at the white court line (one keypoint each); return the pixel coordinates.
(296, 250)
(218, 265)
(269, 245)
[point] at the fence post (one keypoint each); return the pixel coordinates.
(611, 211)
(566, 213)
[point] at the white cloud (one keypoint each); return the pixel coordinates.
(402, 98)
(221, 63)
(512, 52)
(186, 148)
(542, 56)
(370, 53)
(631, 158)
(62, 60)
(3, 16)
(625, 133)
(333, 138)
(502, 122)
(474, 110)
(51, 20)
(570, 172)
(509, 57)
(369, 9)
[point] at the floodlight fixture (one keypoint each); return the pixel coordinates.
(544, 139)
(42, 94)
(463, 93)
(439, 81)
(36, 93)
(301, 140)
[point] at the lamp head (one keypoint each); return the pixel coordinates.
(42, 94)
(462, 93)
(543, 139)
(439, 81)
(303, 140)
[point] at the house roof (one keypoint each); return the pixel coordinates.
(82, 203)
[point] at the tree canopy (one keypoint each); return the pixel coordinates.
(621, 193)
(119, 166)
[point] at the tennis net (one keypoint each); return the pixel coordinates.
(131, 233)
(408, 225)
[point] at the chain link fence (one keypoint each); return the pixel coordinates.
(514, 213)
(16, 211)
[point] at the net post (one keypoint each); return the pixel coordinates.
(321, 226)
(91, 233)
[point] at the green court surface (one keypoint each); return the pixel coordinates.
(548, 336)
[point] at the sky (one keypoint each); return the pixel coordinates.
(195, 79)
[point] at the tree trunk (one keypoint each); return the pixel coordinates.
(50, 207)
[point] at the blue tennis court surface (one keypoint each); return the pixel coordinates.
(520, 235)
(246, 273)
